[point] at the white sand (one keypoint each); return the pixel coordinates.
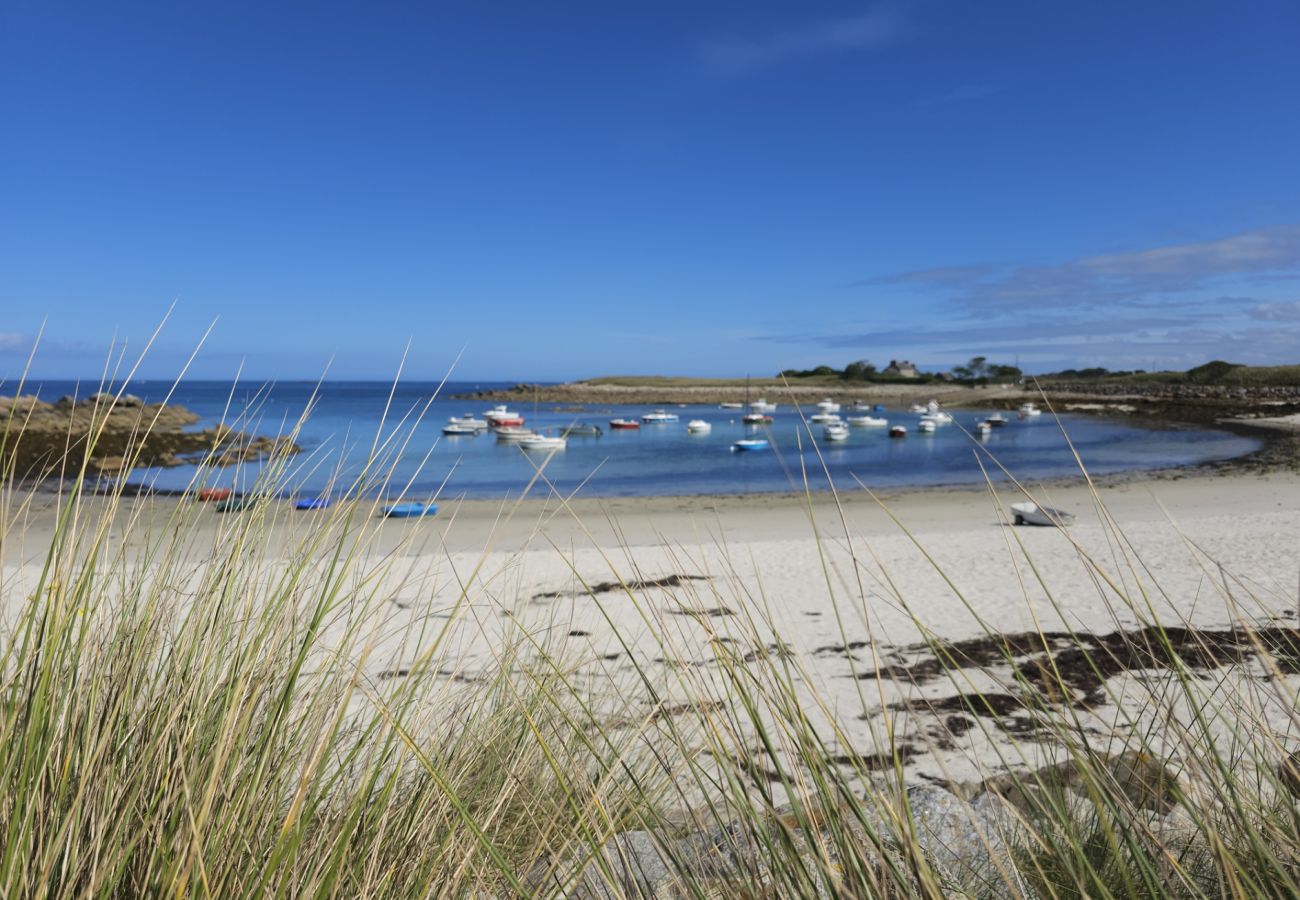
(1209, 551)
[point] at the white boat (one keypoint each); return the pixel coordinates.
(918, 408)
(1028, 410)
(454, 428)
(512, 433)
(836, 431)
(932, 406)
(762, 406)
(502, 415)
(698, 426)
(939, 417)
(828, 406)
(749, 444)
(926, 426)
(1033, 514)
(984, 428)
(824, 418)
(731, 406)
(997, 420)
(542, 442)
(659, 417)
(867, 422)
(469, 421)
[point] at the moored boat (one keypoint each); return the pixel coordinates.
(898, 431)
(756, 418)
(926, 426)
(455, 429)
(731, 406)
(582, 429)
(313, 503)
(659, 417)
(762, 406)
(824, 418)
(468, 421)
(412, 510)
(828, 406)
(624, 424)
(212, 494)
(750, 444)
(997, 420)
(984, 429)
(1029, 410)
(513, 433)
(502, 415)
(544, 442)
(867, 422)
(836, 431)
(698, 426)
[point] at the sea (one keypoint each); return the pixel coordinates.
(392, 434)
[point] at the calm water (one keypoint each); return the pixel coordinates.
(662, 459)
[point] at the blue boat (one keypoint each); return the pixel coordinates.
(313, 503)
(409, 510)
(750, 444)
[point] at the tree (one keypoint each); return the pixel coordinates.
(860, 370)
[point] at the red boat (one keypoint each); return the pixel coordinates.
(499, 416)
(209, 494)
(624, 423)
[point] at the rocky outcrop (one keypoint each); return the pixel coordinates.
(110, 434)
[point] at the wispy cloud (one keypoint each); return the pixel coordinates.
(966, 93)
(1115, 278)
(1277, 312)
(736, 55)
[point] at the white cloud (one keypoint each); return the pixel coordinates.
(734, 56)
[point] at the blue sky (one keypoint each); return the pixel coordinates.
(554, 190)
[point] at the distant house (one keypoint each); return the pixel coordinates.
(901, 368)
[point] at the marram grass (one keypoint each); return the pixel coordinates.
(184, 714)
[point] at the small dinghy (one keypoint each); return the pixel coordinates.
(313, 503)
(408, 510)
(749, 445)
(456, 428)
(997, 420)
(698, 426)
(513, 433)
(212, 494)
(1033, 514)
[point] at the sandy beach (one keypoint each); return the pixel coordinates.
(837, 587)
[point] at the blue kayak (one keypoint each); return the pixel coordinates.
(409, 510)
(313, 503)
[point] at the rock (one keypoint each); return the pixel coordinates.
(963, 843)
(1140, 777)
(634, 865)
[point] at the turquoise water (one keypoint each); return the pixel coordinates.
(656, 460)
